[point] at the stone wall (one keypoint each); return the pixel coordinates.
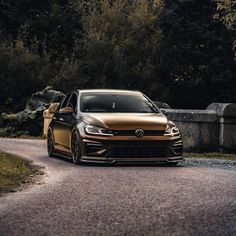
(207, 130)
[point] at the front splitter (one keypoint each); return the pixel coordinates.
(132, 160)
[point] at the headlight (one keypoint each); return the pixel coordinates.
(94, 130)
(173, 131)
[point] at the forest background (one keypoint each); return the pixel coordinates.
(182, 52)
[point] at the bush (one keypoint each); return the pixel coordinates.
(122, 49)
(21, 74)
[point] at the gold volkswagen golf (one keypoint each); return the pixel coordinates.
(112, 126)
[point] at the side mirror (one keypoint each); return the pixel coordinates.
(66, 111)
(53, 107)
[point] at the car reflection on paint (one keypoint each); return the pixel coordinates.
(111, 126)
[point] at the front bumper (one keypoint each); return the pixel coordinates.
(132, 150)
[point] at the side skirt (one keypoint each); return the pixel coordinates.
(62, 154)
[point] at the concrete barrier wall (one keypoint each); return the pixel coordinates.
(213, 129)
(207, 130)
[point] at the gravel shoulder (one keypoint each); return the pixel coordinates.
(196, 198)
(211, 163)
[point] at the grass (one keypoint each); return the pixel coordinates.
(13, 171)
(211, 155)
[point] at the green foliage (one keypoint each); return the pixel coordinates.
(53, 25)
(123, 48)
(226, 13)
(13, 171)
(181, 52)
(198, 54)
(68, 77)
(22, 72)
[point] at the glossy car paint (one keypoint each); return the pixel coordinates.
(124, 139)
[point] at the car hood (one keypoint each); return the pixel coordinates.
(127, 121)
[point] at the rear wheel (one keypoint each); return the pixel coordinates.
(76, 148)
(50, 145)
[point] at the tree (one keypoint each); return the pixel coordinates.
(122, 45)
(179, 51)
(226, 13)
(198, 55)
(22, 72)
(53, 25)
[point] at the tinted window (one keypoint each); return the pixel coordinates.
(73, 102)
(116, 103)
(65, 101)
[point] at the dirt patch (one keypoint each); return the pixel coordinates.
(16, 173)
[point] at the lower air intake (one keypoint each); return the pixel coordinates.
(139, 153)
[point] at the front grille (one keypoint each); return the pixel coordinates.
(139, 153)
(132, 132)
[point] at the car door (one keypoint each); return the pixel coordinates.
(64, 123)
(68, 121)
(60, 126)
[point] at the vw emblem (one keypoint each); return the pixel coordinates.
(139, 133)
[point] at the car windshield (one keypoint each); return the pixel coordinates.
(99, 102)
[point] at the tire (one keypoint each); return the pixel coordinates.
(76, 148)
(50, 145)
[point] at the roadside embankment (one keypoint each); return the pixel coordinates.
(14, 171)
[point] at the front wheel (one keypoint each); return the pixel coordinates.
(76, 148)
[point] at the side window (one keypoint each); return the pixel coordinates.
(73, 102)
(65, 101)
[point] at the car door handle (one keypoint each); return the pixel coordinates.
(61, 119)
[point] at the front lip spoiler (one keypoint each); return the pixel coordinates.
(87, 159)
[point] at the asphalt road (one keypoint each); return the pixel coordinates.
(192, 199)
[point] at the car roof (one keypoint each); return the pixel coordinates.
(117, 91)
